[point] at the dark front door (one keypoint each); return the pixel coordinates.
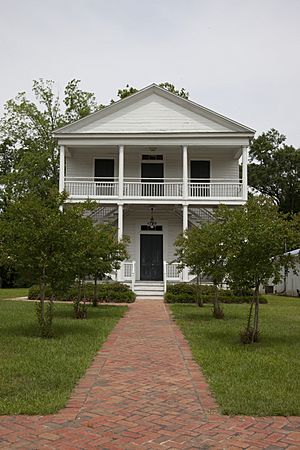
(151, 257)
(104, 169)
(152, 179)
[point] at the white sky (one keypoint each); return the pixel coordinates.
(240, 58)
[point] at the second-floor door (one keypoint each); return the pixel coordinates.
(200, 179)
(152, 175)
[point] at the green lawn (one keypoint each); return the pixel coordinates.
(13, 293)
(259, 379)
(38, 375)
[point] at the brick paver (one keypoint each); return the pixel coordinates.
(144, 390)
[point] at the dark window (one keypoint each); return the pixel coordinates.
(104, 169)
(152, 157)
(200, 170)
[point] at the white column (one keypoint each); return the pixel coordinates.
(121, 170)
(185, 224)
(185, 170)
(120, 236)
(120, 222)
(245, 172)
(62, 168)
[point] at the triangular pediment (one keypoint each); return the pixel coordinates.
(154, 110)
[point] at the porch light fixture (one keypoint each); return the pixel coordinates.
(152, 224)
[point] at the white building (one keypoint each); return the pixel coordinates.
(290, 280)
(154, 157)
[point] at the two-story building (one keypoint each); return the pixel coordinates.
(156, 163)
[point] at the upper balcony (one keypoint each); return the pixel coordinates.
(167, 189)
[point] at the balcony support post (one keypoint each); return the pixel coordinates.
(244, 173)
(185, 171)
(61, 168)
(121, 170)
(120, 272)
(185, 225)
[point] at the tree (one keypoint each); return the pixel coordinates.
(129, 90)
(254, 238)
(202, 250)
(171, 88)
(28, 151)
(46, 245)
(105, 253)
(275, 170)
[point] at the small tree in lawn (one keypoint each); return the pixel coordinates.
(106, 253)
(30, 233)
(202, 250)
(255, 236)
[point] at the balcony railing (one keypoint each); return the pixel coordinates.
(169, 188)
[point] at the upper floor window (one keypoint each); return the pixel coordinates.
(152, 157)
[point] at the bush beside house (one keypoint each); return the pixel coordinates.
(189, 293)
(106, 292)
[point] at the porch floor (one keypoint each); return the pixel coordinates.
(144, 390)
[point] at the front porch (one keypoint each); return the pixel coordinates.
(152, 230)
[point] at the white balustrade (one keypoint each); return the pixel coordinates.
(88, 187)
(215, 189)
(129, 272)
(152, 188)
(167, 188)
(172, 272)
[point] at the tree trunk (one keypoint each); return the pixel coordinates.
(217, 310)
(95, 292)
(248, 327)
(256, 315)
(42, 288)
(199, 297)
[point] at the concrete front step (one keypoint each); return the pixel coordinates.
(149, 288)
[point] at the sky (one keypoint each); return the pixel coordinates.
(240, 58)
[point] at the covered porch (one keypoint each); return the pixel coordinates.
(156, 173)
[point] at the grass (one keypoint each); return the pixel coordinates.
(13, 293)
(259, 379)
(37, 375)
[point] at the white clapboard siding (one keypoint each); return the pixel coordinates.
(153, 114)
(80, 163)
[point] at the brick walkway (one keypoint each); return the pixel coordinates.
(143, 390)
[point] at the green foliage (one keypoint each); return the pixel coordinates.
(114, 292)
(275, 170)
(171, 88)
(189, 293)
(28, 151)
(126, 92)
(78, 103)
(129, 90)
(202, 250)
(54, 247)
(254, 238)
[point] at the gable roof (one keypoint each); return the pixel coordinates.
(153, 110)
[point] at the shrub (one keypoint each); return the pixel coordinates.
(106, 292)
(187, 293)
